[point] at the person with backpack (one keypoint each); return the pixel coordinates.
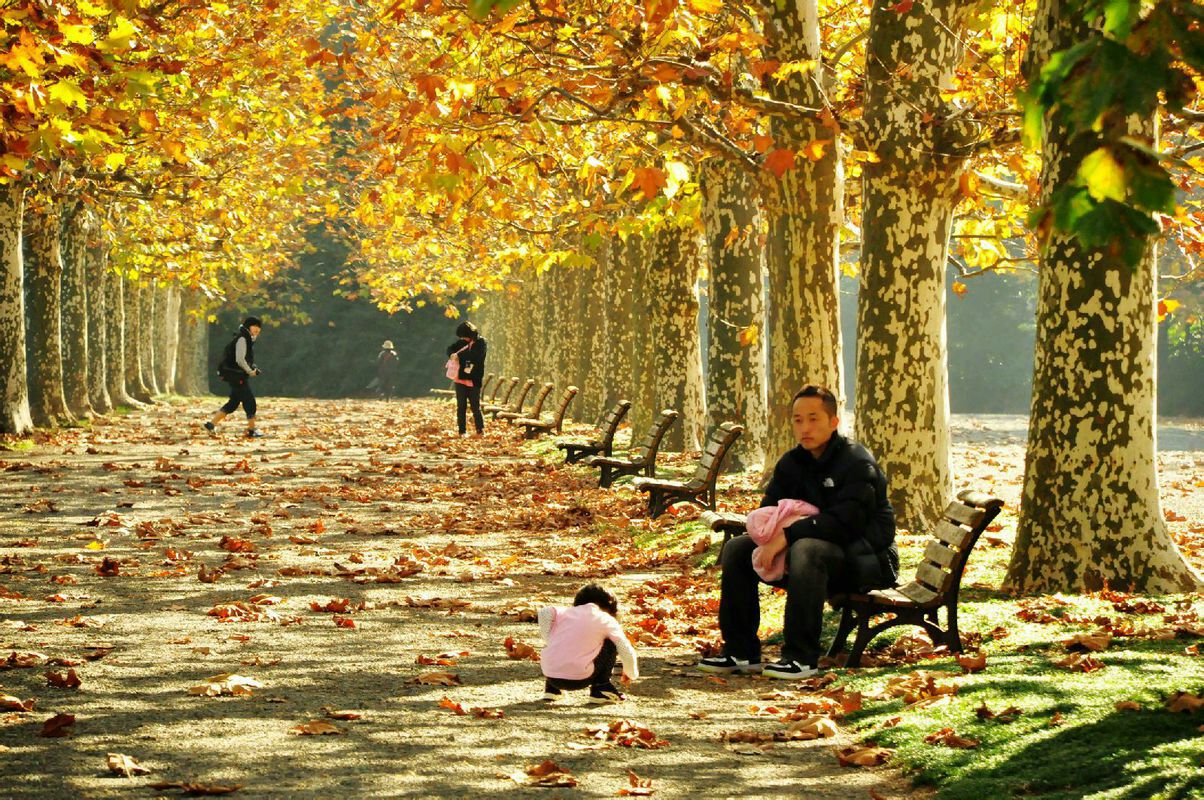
(237, 367)
(386, 370)
(469, 354)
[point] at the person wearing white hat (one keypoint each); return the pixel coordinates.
(386, 370)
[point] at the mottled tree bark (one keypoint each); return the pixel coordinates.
(644, 360)
(902, 399)
(14, 388)
(146, 336)
(43, 298)
(615, 355)
(167, 336)
(805, 209)
(589, 405)
(735, 387)
(675, 358)
(192, 357)
(132, 330)
(1090, 514)
(95, 267)
(115, 340)
(76, 345)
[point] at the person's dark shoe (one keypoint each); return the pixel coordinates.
(727, 665)
(550, 692)
(789, 670)
(209, 426)
(605, 694)
(255, 433)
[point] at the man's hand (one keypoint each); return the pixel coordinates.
(764, 555)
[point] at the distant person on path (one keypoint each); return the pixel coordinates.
(582, 644)
(469, 349)
(237, 368)
(848, 545)
(386, 370)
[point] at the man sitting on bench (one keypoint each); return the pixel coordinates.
(848, 545)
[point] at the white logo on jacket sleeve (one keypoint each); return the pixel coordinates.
(828, 483)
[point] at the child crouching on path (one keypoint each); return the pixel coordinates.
(582, 643)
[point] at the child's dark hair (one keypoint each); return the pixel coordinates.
(593, 593)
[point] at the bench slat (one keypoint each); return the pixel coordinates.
(917, 593)
(951, 534)
(939, 554)
(934, 576)
(966, 515)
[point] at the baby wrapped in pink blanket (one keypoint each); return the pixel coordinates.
(763, 524)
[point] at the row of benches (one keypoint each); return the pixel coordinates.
(937, 581)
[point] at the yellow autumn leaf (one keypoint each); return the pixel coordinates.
(1103, 175)
(68, 94)
(705, 6)
(78, 34)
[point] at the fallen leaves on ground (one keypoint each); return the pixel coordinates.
(1079, 662)
(636, 786)
(626, 733)
(519, 650)
(63, 680)
(1008, 715)
(58, 726)
(437, 679)
(1089, 642)
(1183, 701)
(972, 662)
(547, 774)
(125, 766)
(921, 689)
(197, 789)
(317, 727)
(947, 737)
(863, 755)
(226, 683)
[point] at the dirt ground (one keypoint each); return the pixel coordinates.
(358, 556)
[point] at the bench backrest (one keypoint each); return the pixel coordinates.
(939, 575)
(610, 422)
(565, 399)
(645, 451)
(540, 398)
(517, 405)
(505, 388)
(485, 384)
(718, 444)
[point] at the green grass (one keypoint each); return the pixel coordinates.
(14, 444)
(1070, 740)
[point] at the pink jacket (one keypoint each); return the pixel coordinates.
(574, 636)
(765, 523)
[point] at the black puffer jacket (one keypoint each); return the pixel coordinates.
(472, 360)
(849, 489)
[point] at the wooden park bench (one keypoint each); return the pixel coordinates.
(640, 460)
(518, 399)
(511, 415)
(936, 585)
(603, 443)
(501, 394)
(699, 489)
(536, 426)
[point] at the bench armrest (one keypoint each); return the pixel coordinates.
(728, 522)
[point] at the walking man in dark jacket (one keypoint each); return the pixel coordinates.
(237, 368)
(848, 546)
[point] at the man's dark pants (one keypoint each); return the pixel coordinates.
(811, 565)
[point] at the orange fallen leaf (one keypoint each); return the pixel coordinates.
(520, 651)
(452, 706)
(125, 766)
(972, 662)
(317, 727)
(1128, 705)
(437, 679)
(330, 712)
(949, 738)
(67, 680)
(1079, 662)
(193, 788)
(1089, 642)
(636, 786)
(10, 703)
(548, 773)
(1182, 701)
(58, 726)
(868, 755)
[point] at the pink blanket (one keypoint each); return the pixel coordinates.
(764, 524)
